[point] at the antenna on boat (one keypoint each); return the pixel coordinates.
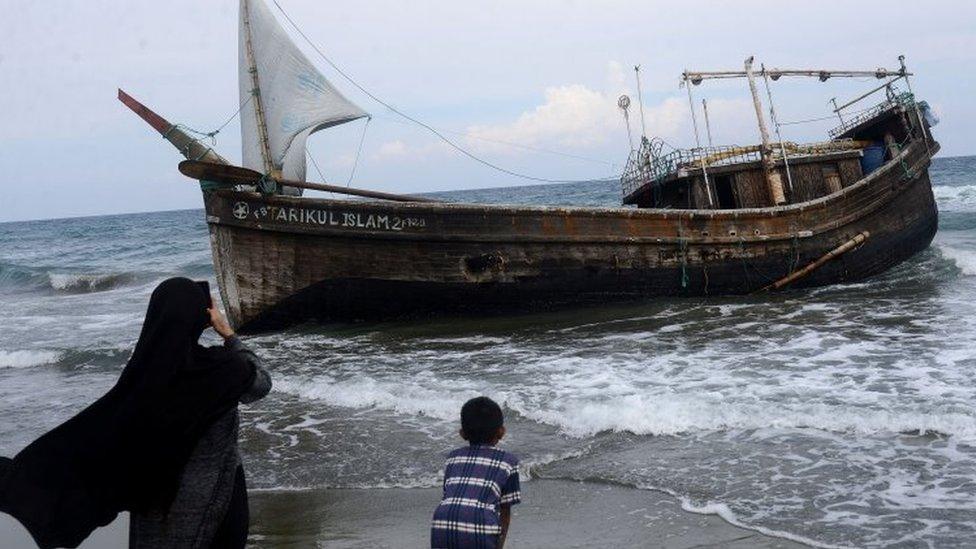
(708, 127)
(624, 103)
(701, 154)
(640, 102)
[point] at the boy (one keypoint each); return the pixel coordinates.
(481, 483)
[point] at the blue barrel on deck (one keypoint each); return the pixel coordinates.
(873, 158)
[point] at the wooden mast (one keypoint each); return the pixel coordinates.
(773, 178)
(256, 100)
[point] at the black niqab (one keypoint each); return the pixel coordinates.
(127, 450)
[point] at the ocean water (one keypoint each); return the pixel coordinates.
(840, 416)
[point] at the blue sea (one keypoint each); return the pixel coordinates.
(840, 416)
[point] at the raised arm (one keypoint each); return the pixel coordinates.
(262, 380)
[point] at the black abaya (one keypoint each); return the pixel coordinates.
(127, 450)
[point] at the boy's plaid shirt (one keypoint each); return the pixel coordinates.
(477, 480)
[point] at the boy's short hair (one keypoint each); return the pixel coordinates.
(481, 418)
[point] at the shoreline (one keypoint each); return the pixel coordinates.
(553, 513)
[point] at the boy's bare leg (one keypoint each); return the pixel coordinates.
(504, 519)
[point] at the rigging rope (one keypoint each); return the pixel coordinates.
(359, 152)
(212, 135)
(315, 164)
(233, 116)
(318, 170)
(515, 145)
(420, 123)
(822, 118)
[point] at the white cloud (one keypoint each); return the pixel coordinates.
(577, 117)
(573, 116)
(399, 149)
(391, 149)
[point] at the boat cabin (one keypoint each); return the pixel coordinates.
(775, 173)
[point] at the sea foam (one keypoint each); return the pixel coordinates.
(26, 359)
(965, 260)
(661, 415)
(725, 513)
(955, 198)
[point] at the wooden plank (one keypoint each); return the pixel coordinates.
(236, 175)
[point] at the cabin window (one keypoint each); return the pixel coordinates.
(724, 193)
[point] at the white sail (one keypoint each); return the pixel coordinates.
(293, 96)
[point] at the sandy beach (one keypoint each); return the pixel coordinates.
(554, 514)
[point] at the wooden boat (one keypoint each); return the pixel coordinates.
(706, 221)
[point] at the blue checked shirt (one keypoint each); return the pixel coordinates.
(477, 480)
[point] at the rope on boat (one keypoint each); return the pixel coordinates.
(683, 243)
(416, 121)
(468, 135)
(355, 163)
(315, 164)
(822, 118)
(796, 251)
(746, 265)
(212, 135)
(359, 152)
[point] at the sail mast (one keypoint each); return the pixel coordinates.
(269, 167)
(773, 178)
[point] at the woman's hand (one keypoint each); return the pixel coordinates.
(219, 323)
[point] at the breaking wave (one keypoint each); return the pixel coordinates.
(655, 416)
(87, 282)
(955, 198)
(15, 278)
(965, 260)
(366, 393)
(637, 414)
(27, 359)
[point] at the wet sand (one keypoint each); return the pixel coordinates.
(554, 514)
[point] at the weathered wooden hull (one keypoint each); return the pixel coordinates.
(283, 259)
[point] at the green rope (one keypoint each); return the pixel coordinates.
(742, 259)
(683, 243)
(907, 173)
(208, 186)
(267, 185)
(796, 252)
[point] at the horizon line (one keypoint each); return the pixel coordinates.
(140, 212)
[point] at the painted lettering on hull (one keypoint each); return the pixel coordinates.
(327, 218)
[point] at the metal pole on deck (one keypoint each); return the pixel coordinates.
(837, 110)
(708, 127)
(772, 116)
(701, 154)
(624, 103)
(640, 101)
(918, 112)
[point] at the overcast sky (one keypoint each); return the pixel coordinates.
(542, 74)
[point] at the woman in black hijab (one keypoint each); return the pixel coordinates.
(162, 443)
